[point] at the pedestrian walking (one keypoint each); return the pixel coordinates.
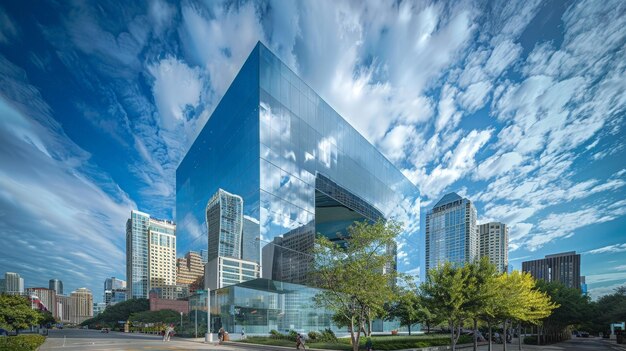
(300, 342)
(368, 344)
(220, 335)
(243, 333)
(169, 332)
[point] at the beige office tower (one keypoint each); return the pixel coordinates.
(65, 308)
(493, 240)
(82, 299)
(162, 259)
(190, 271)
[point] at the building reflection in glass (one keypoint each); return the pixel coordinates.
(299, 167)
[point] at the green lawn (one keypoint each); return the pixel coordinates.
(379, 342)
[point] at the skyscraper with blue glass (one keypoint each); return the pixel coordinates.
(451, 232)
(299, 168)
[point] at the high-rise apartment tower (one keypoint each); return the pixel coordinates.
(150, 254)
(451, 234)
(56, 285)
(493, 240)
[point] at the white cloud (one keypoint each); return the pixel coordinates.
(498, 165)
(397, 139)
(475, 96)
(455, 165)
(71, 206)
(598, 292)
(605, 277)
(220, 39)
(608, 249)
(176, 87)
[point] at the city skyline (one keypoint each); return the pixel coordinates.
(512, 106)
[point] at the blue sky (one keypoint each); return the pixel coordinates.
(518, 106)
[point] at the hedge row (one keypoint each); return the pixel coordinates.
(26, 342)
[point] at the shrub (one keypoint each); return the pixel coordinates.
(328, 335)
(292, 335)
(314, 336)
(532, 340)
(275, 334)
(26, 342)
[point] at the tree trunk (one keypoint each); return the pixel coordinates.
(427, 327)
(504, 335)
(409, 328)
(489, 326)
(452, 339)
(352, 336)
(475, 334)
(519, 336)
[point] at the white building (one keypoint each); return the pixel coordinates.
(13, 284)
(494, 243)
(225, 266)
(224, 271)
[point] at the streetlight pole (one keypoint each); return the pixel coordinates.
(209, 336)
(181, 323)
(196, 322)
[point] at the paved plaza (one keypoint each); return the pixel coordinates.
(93, 340)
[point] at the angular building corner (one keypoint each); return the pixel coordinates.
(299, 168)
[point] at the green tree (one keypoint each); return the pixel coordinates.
(118, 312)
(162, 316)
(425, 315)
(574, 308)
(356, 277)
(446, 295)
(482, 294)
(46, 318)
(16, 313)
(407, 307)
(607, 309)
(521, 301)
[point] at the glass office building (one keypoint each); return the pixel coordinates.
(298, 166)
(261, 305)
(451, 232)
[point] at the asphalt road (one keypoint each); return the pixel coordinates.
(94, 340)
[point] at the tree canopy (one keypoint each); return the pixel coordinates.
(407, 308)
(357, 276)
(118, 312)
(163, 316)
(16, 312)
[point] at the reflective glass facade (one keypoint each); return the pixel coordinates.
(262, 305)
(137, 270)
(224, 218)
(299, 167)
(451, 232)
